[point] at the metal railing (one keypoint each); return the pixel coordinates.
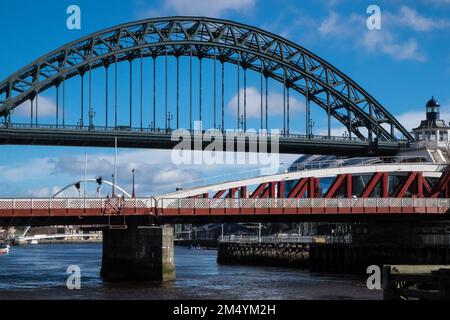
(430, 144)
(280, 239)
(266, 203)
(125, 129)
(211, 204)
(75, 203)
(249, 133)
(359, 161)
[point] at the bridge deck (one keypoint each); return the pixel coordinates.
(210, 209)
(50, 135)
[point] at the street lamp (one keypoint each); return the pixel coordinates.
(169, 119)
(133, 193)
(91, 115)
(99, 181)
(78, 187)
(113, 191)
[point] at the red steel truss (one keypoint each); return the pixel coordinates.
(412, 193)
(413, 184)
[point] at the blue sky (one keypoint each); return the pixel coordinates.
(402, 65)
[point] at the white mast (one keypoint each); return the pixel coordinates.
(85, 173)
(115, 165)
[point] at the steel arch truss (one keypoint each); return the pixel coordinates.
(227, 41)
(408, 185)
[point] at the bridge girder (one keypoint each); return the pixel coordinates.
(227, 41)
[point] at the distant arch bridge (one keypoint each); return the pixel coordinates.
(143, 111)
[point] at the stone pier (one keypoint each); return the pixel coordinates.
(267, 254)
(138, 254)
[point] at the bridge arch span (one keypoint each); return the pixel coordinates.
(226, 41)
(116, 187)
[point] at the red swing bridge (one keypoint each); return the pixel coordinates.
(349, 193)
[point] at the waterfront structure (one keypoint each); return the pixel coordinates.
(137, 244)
(433, 130)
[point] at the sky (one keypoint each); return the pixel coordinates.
(402, 65)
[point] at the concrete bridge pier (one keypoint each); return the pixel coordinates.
(138, 253)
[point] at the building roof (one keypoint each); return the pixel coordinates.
(432, 124)
(432, 103)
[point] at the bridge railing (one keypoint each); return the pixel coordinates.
(196, 205)
(76, 203)
(127, 129)
(280, 239)
(359, 161)
(163, 131)
(266, 203)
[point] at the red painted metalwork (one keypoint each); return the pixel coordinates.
(243, 192)
(442, 186)
(303, 186)
(303, 198)
(280, 190)
(335, 186)
(403, 189)
(349, 185)
(52, 208)
(371, 185)
(385, 185)
(257, 193)
(219, 194)
(377, 178)
(299, 189)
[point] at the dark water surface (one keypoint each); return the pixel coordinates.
(39, 272)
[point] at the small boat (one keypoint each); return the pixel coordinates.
(4, 248)
(34, 242)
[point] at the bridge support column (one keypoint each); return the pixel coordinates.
(138, 254)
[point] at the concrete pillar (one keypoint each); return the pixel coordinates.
(138, 254)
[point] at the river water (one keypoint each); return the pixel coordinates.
(39, 272)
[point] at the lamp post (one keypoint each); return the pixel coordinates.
(91, 115)
(133, 193)
(169, 119)
(113, 191)
(99, 181)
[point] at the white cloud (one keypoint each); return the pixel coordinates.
(155, 173)
(337, 131)
(412, 119)
(410, 18)
(46, 108)
(337, 25)
(353, 29)
(174, 175)
(212, 8)
(386, 42)
(40, 167)
(46, 192)
(254, 103)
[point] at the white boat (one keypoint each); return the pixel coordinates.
(4, 249)
(34, 242)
